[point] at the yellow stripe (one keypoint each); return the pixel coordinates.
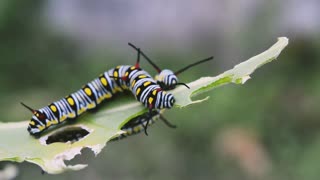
(100, 99)
(81, 110)
(150, 100)
(54, 121)
(91, 105)
(142, 76)
(41, 127)
(133, 83)
(32, 123)
(63, 118)
(117, 89)
(53, 108)
(48, 123)
(88, 91)
(146, 83)
(154, 92)
(72, 115)
(138, 91)
(70, 101)
(104, 81)
(115, 74)
(108, 96)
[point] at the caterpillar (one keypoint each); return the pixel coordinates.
(146, 90)
(138, 124)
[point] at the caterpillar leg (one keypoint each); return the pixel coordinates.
(149, 117)
(166, 122)
(145, 127)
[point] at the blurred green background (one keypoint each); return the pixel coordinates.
(265, 129)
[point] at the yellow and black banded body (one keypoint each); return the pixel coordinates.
(118, 79)
(150, 92)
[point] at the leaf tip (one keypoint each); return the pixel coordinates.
(280, 45)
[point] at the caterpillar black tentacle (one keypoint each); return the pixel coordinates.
(166, 78)
(146, 57)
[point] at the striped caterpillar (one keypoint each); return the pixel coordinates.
(138, 124)
(150, 92)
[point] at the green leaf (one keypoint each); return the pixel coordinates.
(17, 145)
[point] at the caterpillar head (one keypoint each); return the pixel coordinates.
(170, 100)
(36, 125)
(167, 79)
(164, 100)
(159, 99)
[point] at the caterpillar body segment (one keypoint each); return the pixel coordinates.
(118, 79)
